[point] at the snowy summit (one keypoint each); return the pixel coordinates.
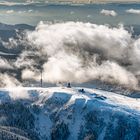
(68, 113)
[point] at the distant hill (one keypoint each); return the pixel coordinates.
(16, 26)
(8, 31)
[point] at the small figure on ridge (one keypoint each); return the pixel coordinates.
(68, 85)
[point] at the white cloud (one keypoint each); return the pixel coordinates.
(108, 12)
(133, 11)
(8, 81)
(89, 16)
(80, 52)
(72, 12)
(30, 10)
(21, 12)
(10, 11)
(29, 1)
(4, 64)
(18, 93)
(8, 3)
(28, 74)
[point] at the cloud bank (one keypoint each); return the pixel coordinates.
(80, 52)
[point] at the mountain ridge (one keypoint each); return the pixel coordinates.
(71, 113)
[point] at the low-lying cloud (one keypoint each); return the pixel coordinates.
(80, 52)
(8, 81)
(4, 64)
(133, 11)
(10, 11)
(108, 12)
(28, 11)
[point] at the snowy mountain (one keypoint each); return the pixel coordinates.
(67, 113)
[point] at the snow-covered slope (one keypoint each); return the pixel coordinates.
(62, 113)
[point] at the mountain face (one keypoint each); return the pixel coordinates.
(16, 26)
(11, 31)
(67, 113)
(7, 31)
